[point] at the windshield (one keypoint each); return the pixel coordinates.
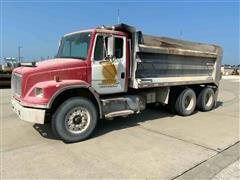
(75, 46)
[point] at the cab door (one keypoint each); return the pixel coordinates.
(109, 73)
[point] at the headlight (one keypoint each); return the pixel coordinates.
(39, 92)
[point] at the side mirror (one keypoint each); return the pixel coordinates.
(110, 46)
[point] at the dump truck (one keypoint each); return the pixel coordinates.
(115, 71)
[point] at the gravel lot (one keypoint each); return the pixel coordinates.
(153, 144)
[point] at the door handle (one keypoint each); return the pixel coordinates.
(122, 75)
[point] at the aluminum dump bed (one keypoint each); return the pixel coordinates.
(161, 61)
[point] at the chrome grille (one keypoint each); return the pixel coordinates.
(16, 84)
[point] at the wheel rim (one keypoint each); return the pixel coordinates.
(188, 103)
(209, 99)
(77, 120)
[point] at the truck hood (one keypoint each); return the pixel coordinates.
(51, 65)
(64, 68)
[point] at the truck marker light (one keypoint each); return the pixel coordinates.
(56, 78)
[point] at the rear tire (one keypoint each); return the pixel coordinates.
(186, 102)
(206, 99)
(75, 119)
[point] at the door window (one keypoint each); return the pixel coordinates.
(99, 49)
(118, 44)
(101, 46)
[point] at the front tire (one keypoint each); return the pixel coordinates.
(186, 102)
(75, 119)
(206, 99)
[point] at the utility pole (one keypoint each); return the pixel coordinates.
(118, 16)
(181, 34)
(19, 53)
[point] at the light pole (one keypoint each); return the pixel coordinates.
(181, 33)
(19, 53)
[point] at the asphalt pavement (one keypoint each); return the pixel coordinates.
(153, 144)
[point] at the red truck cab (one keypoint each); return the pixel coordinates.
(79, 67)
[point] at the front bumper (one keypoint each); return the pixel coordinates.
(28, 114)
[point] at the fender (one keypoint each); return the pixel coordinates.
(82, 86)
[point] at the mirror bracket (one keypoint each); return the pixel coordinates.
(110, 46)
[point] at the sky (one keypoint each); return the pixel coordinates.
(37, 26)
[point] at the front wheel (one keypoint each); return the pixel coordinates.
(75, 119)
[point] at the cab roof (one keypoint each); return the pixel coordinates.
(119, 29)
